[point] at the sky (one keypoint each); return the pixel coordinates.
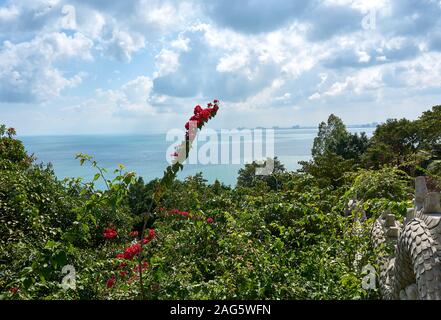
(139, 66)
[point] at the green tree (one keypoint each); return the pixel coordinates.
(247, 176)
(334, 152)
(429, 125)
(393, 142)
(12, 149)
(334, 138)
(330, 136)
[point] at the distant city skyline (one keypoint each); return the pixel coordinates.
(133, 67)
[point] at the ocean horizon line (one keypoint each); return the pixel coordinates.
(350, 126)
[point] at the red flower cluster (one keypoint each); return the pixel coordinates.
(124, 271)
(133, 234)
(144, 266)
(178, 212)
(150, 236)
(132, 251)
(13, 290)
(135, 248)
(110, 282)
(186, 215)
(110, 233)
(197, 120)
(203, 115)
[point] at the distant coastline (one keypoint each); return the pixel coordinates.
(364, 125)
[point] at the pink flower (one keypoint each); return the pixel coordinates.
(210, 220)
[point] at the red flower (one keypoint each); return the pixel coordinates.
(150, 236)
(122, 265)
(144, 266)
(13, 290)
(210, 220)
(123, 274)
(181, 213)
(120, 256)
(187, 125)
(205, 114)
(110, 282)
(132, 251)
(197, 109)
(216, 101)
(133, 234)
(110, 233)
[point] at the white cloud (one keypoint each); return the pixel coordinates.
(132, 99)
(181, 52)
(123, 44)
(27, 71)
(167, 61)
(361, 82)
(233, 62)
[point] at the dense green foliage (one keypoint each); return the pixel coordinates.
(283, 236)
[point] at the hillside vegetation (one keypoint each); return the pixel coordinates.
(289, 235)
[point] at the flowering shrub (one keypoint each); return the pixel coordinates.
(110, 233)
(133, 234)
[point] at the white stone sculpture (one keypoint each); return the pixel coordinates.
(413, 270)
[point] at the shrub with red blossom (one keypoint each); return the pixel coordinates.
(132, 251)
(111, 282)
(110, 233)
(150, 236)
(179, 213)
(143, 267)
(13, 290)
(135, 248)
(133, 234)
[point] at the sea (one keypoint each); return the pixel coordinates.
(147, 154)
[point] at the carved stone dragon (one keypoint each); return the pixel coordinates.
(413, 271)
